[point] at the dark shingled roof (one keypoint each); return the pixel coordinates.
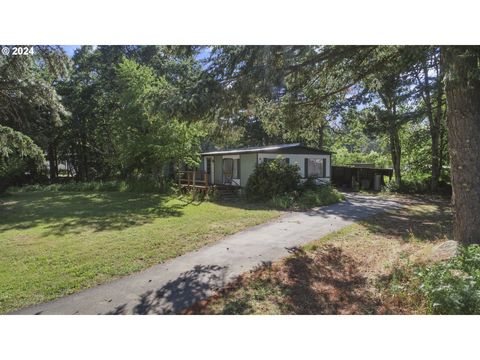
(296, 148)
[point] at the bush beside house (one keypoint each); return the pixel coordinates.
(272, 178)
(279, 184)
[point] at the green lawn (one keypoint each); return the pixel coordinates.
(56, 243)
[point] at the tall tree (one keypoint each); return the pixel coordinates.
(148, 136)
(29, 102)
(96, 88)
(15, 149)
(429, 75)
(392, 87)
(462, 87)
(89, 96)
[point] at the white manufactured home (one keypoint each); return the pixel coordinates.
(233, 167)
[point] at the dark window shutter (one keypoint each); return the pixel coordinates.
(306, 167)
(324, 163)
(287, 160)
(223, 171)
(238, 169)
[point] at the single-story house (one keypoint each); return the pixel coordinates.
(233, 167)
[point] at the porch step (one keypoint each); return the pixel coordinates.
(227, 193)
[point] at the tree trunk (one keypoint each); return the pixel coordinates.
(438, 119)
(51, 162)
(396, 153)
(434, 124)
(462, 88)
(320, 136)
(83, 161)
(434, 118)
(435, 134)
(443, 145)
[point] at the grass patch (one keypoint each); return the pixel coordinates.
(56, 243)
(349, 271)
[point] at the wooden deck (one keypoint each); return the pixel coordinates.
(200, 181)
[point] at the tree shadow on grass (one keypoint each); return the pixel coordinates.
(325, 282)
(430, 223)
(62, 213)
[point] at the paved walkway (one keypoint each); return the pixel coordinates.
(172, 286)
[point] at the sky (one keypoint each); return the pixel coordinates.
(69, 49)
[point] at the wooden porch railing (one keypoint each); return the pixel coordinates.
(194, 178)
(229, 180)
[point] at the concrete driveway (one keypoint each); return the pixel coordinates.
(172, 286)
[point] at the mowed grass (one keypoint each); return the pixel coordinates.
(345, 272)
(56, 243)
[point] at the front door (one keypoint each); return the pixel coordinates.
(227, 171)
(210, 169)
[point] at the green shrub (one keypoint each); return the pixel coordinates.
(137, 186)
(407, 187)
(414, 187)
(307, 198)
(319, 196)
(271, 179)
(283, 202)
(309, 183)
(390, 187)
(453, 287)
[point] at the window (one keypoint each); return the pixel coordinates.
(208, 165)
(231, 168)
(315, 167)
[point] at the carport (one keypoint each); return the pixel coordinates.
(367, 176)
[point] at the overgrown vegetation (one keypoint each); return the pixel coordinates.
(145, 185)
(272, 178)
(17, 153)
(307, 198)
(450, 287)
(416, 186)
(453, 287)
(278, 184)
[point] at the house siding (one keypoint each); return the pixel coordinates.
(299, 159)
(218, 169)
(247, 165)
(249, 161)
